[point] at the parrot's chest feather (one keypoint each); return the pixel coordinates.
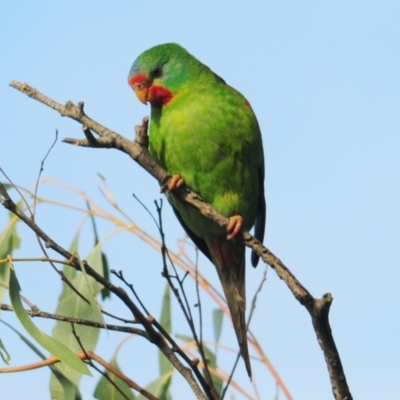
(214, 144)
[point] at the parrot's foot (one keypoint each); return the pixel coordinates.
(173, 183)
(234, 226)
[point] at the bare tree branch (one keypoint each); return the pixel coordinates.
(137, 149)
(35, 312)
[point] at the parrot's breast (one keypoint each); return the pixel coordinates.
(213, 141)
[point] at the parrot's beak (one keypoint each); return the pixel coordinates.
(147, 92)
(141, 91)
(140, 85)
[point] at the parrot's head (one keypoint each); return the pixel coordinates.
(162, 72)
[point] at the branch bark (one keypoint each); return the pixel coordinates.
(137, 150)
(35, 312)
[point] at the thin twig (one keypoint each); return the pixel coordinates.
(209, 385)
(35, 312)
(228, 382)
(254, 301)
(40, 173)
(199, 304)
(17, 189)
(120, 275)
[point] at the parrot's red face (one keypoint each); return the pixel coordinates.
(147, 91)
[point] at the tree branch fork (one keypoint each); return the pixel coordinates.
(138, 151)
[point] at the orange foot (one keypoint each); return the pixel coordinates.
(173, 183)
(234, 226)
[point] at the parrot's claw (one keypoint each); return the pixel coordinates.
(235, 226)
(173, 183)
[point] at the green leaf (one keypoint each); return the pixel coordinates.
(9, 241)
(102, 177)
(25, 340)
(159, 387)
(165, 321)
(90, 294)
(69, 390)
(4, 353)
(72, 305)
(218, 317)
(59, 350)
(7, 186)
(63, 388)
(212, 362)
(277, 392)
(105, 292)
(185, 338)
(105, 390)
(71, 273)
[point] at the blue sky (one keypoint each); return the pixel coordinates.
(323, 79)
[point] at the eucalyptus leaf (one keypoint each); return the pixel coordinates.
(56, 348)
(218, 317)
(4, 353)
(68, 390)
(72, 305)
(105, 292)
(159, 387)
(9, 241)
(105, 390)
(166, 322)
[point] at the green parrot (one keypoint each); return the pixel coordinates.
(204, 133)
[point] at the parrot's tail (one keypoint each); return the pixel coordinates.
(229, 259)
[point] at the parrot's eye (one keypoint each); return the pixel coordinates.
(157, 72)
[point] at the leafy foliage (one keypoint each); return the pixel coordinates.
(56, 348)
(81, 299)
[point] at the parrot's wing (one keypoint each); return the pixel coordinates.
(259, 227)
(199, 242)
